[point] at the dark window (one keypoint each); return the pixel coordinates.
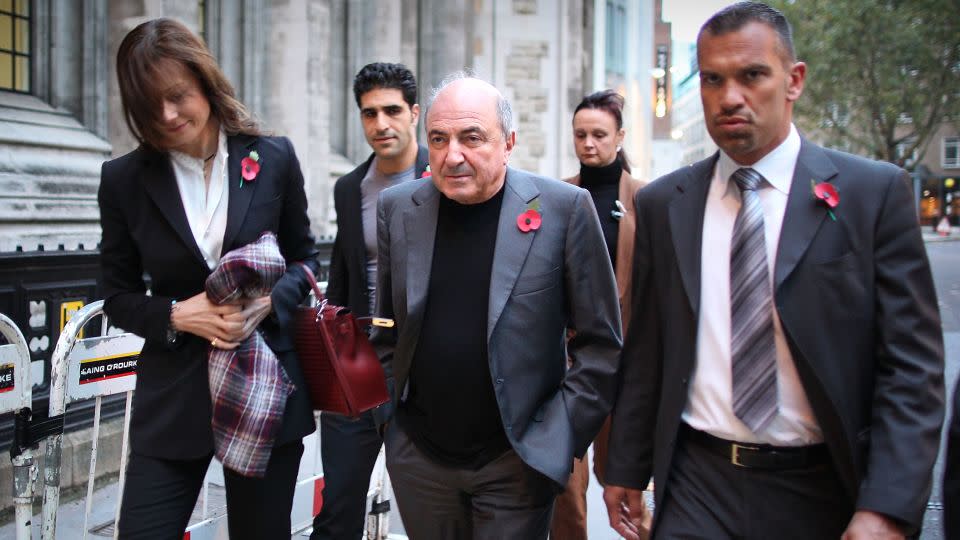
(951, 153)
(616, 29)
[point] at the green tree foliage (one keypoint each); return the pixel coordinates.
(880, 73)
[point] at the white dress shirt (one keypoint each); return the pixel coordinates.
(710, 402)
(206, 207)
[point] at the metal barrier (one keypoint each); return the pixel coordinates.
(42, 290)
(378, 520)
(15, 396)
(82, 369)
(102, 366)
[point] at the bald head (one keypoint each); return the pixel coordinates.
(462, 85)
(469, 139)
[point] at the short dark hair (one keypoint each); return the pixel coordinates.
(612, 103)
(384, 75)
(736, 16)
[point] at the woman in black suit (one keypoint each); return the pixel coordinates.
(169, 210)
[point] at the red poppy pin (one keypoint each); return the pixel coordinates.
(426, 173)
(249, 167)
(826, 192)
(530, 219)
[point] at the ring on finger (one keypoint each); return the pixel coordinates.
(213, 342)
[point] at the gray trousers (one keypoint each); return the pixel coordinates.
(503, 499)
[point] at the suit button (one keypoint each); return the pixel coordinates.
(499, 380)
(508, 427)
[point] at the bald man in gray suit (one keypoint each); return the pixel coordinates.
(484, 268)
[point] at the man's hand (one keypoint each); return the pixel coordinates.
(867, 525)
(625, 510)
(199, 316)
(253, 313)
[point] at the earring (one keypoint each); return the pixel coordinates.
(619, 148)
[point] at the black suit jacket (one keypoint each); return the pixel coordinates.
(347, 283)
(951, 476)
(145, 231)
(858, 308)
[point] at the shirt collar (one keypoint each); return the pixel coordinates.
(188, 161)
(777, 166)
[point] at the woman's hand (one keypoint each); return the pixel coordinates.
(199, 316)
(253, 313)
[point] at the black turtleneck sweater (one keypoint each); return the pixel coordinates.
(451, 412)
(603, 183)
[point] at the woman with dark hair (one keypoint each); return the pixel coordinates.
(203, 182)
(605, 172)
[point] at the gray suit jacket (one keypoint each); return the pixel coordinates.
(543, 282)
(857, 304)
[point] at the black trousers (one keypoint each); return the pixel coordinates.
(349, 450)
(159, 496)
(503, 499)
(709, 498)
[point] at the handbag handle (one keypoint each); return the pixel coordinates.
(313, 283)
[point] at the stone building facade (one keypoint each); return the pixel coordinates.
(292, 62)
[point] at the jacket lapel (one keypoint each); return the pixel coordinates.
(512, 244)
(686, 226)
(804, 214)
(241, 193)
(626, 231)
(161, 184)
(423, 161)
(420, 228)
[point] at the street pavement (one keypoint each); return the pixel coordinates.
(945, 261)
(944, 254)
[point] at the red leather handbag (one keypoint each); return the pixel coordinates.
(342, 371)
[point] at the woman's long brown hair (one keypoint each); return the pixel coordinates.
(137, 62)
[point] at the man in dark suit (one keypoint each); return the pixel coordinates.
(483, 269)
(783, 372)
(387, 97)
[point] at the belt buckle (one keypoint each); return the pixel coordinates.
(735, 453)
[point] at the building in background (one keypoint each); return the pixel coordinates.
(292, 62)
(667, 150)
(937, 176)
(689, 128)
(622, 55)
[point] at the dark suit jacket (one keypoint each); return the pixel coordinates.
(858, 308)
(951, 476)
(542, 282)
(145, 230)
(347, 284)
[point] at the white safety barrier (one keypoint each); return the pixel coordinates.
(91, 368)
(82, 369)
(15, 396)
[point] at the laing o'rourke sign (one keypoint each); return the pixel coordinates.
(6, 378)
(98, 369)
(101, 366)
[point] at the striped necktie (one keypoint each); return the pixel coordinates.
(753, 351)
